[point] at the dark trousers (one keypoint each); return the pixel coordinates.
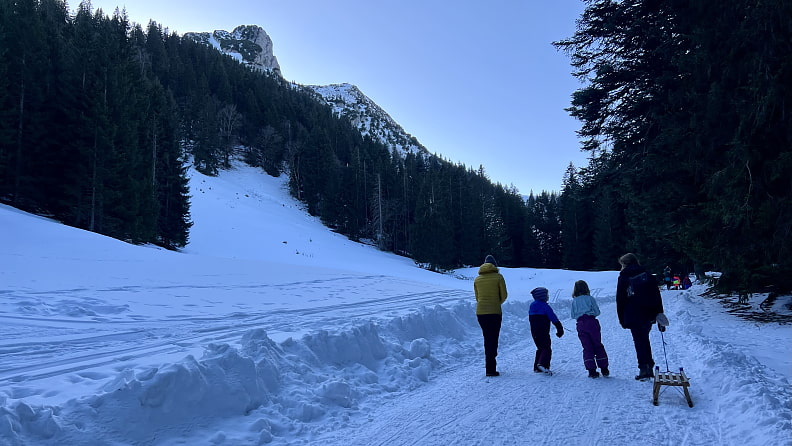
(643, 349)
(540, 332)
(590, 335)
(490, 328)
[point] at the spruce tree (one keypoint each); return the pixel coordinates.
(687, 104)
(576, 223)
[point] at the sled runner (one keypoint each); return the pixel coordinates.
(670, 379)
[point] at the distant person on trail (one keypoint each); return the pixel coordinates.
(540, 316)
(667, 277)
(686, 283)
(490, 289)
(585, 311)
(638, 304)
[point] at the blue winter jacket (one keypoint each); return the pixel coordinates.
(584, 304)
(541, 307)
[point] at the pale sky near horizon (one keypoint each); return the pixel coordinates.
(475, 82)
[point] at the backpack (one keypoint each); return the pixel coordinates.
(638, 283)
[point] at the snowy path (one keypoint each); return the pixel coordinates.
(520, 407)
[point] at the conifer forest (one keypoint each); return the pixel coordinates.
(685, 109)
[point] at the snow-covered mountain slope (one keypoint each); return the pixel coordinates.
(370, 119)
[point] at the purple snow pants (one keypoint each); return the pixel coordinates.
(589, 333)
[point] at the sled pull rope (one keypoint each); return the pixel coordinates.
(665, 355)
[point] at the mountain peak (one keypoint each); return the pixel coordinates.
(249, 44)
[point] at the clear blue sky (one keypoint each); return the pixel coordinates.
(477, 82)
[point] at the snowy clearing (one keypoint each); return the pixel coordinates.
(270, 329)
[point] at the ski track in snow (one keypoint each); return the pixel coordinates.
(83, 349)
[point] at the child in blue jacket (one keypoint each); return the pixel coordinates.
(540, 315)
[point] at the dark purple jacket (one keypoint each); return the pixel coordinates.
(642, 307)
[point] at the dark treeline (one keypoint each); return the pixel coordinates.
(100, 116)
(88, 134)
(687, 110)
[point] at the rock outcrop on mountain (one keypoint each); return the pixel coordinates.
(249, 44)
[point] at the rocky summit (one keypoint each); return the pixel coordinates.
(250, 44)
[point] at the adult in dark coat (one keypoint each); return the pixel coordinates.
(638, 303)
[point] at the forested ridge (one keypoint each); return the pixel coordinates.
(93, 103)
(690, 142)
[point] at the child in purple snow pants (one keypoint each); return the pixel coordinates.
(585, 310)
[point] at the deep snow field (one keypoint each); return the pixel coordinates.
(270, 329)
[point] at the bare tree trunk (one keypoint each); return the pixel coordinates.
(92, 224)
(154, 157)
(18, 167)
(229, 120)
(380, 235)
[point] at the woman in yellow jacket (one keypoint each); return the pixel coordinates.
(490, 289)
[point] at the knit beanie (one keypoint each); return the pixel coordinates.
(540, 294)
(490, 259)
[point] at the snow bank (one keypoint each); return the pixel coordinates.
(281, 387)
(747, 389)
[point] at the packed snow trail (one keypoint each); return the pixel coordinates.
(464, 407)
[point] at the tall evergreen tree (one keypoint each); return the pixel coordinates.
(689, 109)
(532, 253)
(576, 223)
(548, 229)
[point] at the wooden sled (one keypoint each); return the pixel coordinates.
(670, 379)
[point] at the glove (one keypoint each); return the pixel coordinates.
(662, 322)
(559, 329)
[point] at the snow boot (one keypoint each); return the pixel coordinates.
(493, 373)
(645, 373)
(605, 371)
(593, 374)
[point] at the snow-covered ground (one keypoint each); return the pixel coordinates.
(270, 329)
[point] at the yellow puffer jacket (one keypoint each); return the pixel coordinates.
(490, 290)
